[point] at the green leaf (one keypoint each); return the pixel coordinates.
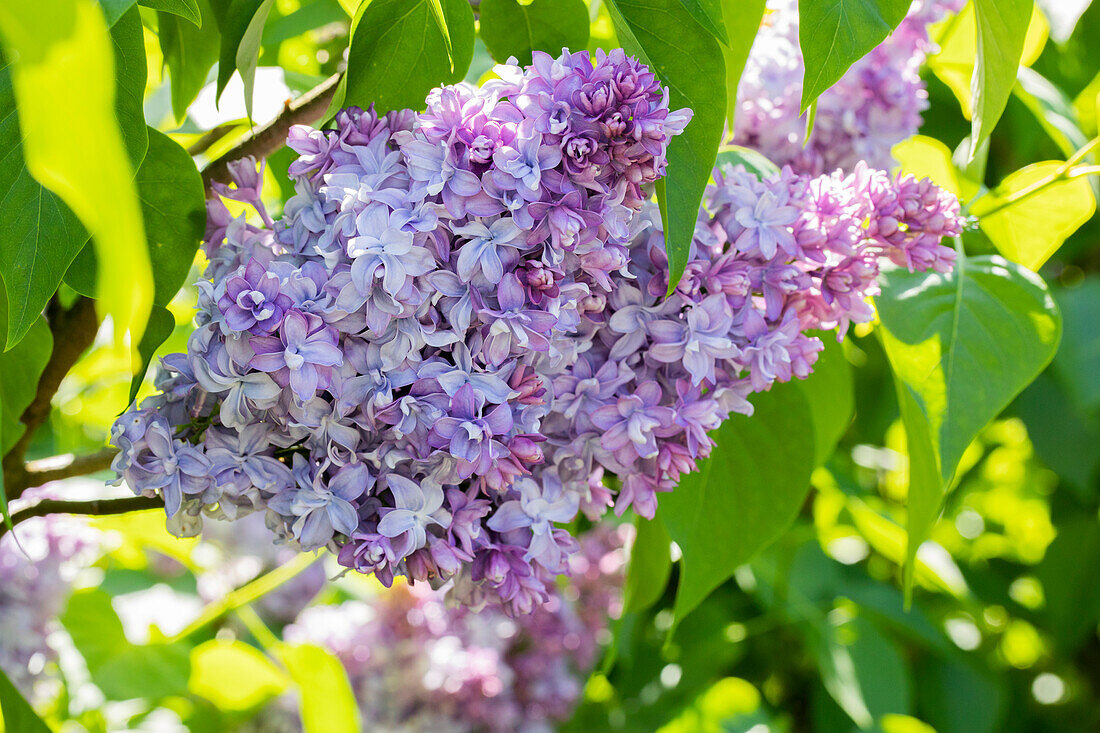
(511, 29)
(65, 53)
(754, 161)
(1063, 435)
(1078, 361)
(189, 52)
(650, 565)
(234, 676)
(240, 44)
(123, 671)
(1071, 581)
(35, 251)
(161, 325)
(1002, 29)
(957, 698)
(186, 9)
(20, 368)
(114, 9)
(131, 73)
(688, 60)
(961, 346)
(744, 495)
(398, 53)
(326, 700)
(926, 157)
(834, 34)
(18, 715)
(31, 268)
(742, 21)
(311, 15)
(709, 14)
(830, 393)
(1031, 229)
(171, 192)
(862, 669)
(1053, 110)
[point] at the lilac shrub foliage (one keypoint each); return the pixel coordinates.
(875, 105)
(456, 338)
(416, 662)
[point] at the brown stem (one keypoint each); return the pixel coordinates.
(91, 507)
(56, 468)
(73, 332)
(265, 140)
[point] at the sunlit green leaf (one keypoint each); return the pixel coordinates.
(754, 161)
(122, 670)
(326, 699)
(65, 53)
(1053, 110)
(927, 157)
(234, 675)
(1002, 28)
(1031, 229)
(744, 495)
(650, 565)
(511, 29)
(961, 346)
(742, 21)
(398, 53)
(834, 34)
(688, 61)
(709, 14)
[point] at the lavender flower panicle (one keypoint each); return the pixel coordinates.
(459, 326)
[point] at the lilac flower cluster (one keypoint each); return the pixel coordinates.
(373, 370)
(459, 327)
(416, 662)
(36, 575)
(874, 106)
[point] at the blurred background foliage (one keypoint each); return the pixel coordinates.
(812, 634)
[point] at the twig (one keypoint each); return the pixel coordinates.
(73, 332)
(264, 141)
(68, 465)
(91, 507)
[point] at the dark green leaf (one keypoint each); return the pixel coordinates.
(1064, 437)
(830, 393)
(834, 34)
(956, 698)
(1071, 581)
(511, 29)
(961, 345)
(398, 53)
(742, 20)
(744, 495)
(1078, 361)
(189, 53)
(186, 9)
(161, 325)
(19, 716)
(20, 368)
(240, 44)
(688, 60)
(123, 671)
(1002, 29)
(171, 192)
(709, 14)
(650, 565)
(128, 39)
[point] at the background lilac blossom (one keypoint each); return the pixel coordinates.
(416, 662)
(875, 105)
(472, 329)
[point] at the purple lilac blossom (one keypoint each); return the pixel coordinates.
(417, 663)
(875, 105)
(457, 367)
